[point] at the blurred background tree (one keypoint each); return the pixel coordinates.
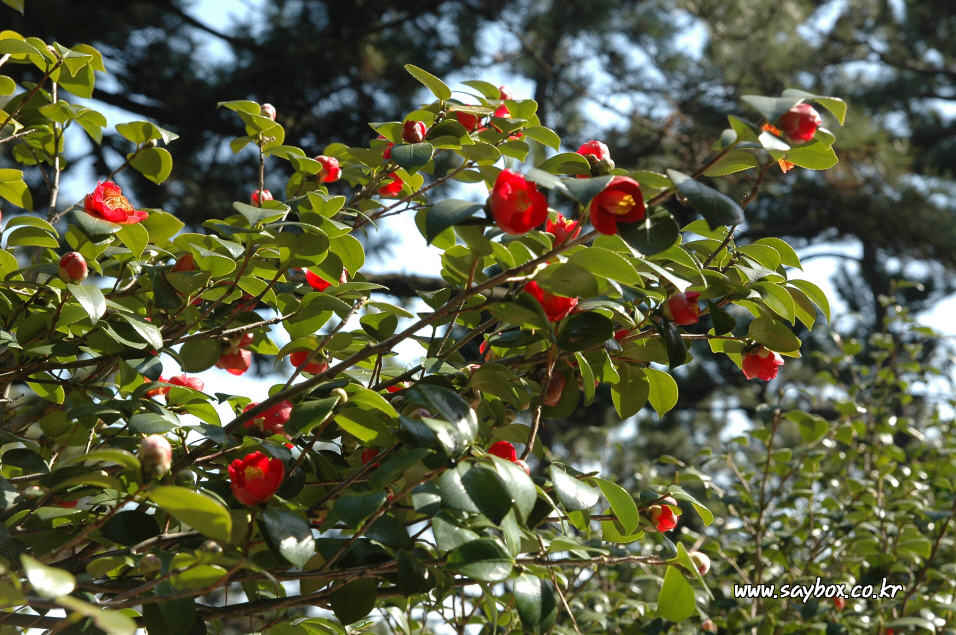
(638, 74)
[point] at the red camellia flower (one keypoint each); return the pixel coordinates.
(255, 478)
(468, 120)
(272, 419)
(414, 131)
(72, 267)
(682, 308)
(330, 171)
(162, 390)
(556, 307)
(257, 197)
(563, 229)
(320, 284)
(555, 390)
(235, 362)
(516, 204)
(186, 262)
(800, 123)
(504, 450)
(298, 358)
(504, 92)
(663, 516)
(368, 454)
(393, 187)
(187, 382)
(108, 203)
(620, 202)
(762, 363)
(839, 604)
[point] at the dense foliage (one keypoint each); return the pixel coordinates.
(130, 502)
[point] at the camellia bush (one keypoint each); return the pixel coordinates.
(402, 495)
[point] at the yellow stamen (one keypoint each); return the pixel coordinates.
(118, 201)
(521, 200)
(253, 473)
(625, 205)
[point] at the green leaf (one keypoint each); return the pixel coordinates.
(48, 582)
(487, 491)
(169, 617)
(656, 233)
(813, 292)
(194, 509)
(724, 322)
(198, 355)
(91, 299)
(154, 163)
(583, 190)
(290, 533)
(772, 108)
(112, 622)
(567, 163)
(445, 214)
(774, 335)
(413, 576)
(679, 494)
(484, 559)
(716, 208)
(733, 161)
(140, 132)
(306, 415)
(94, 226)
(622, 504)
(521, 488)
(49, 389)
(629, 394)
(674, 343)
(812, 427)
(813, 155)
(131, 527)
(662, 390)
(353, 601)
(536, 604)
(355, 509)
(582, 331)
(30, 237)
(607, 264)
(676, 601)
(573, 494)
(432, 83)
(412, 156)
(587, 378)
(393, 469)
(543, 135)
(109, 455)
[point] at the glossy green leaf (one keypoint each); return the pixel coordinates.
(484, 559)
(194, 509)
(536, 604)
(290, 533)
(575, 495)
(716, 208)
(676, 601)
(432, 83)
(155, 164)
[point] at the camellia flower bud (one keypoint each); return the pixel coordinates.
(320, 284)
(73, 267)
(598, 156)
(150, 564)
(187, 382)
(682, 308)
(800, 123)
(155, 455)
(314, 367)
(258, 197)
(504, 450)
(268, 110)
(839, 604)
(186, 262)
(211, 546)
(524, 466)
(330, 171)
(392, 187)
(555, 390)
(761, 363)
(467, 119)
(414, 131)
(662, 516)
(504, 92)
(701, 561)
(708, 626)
